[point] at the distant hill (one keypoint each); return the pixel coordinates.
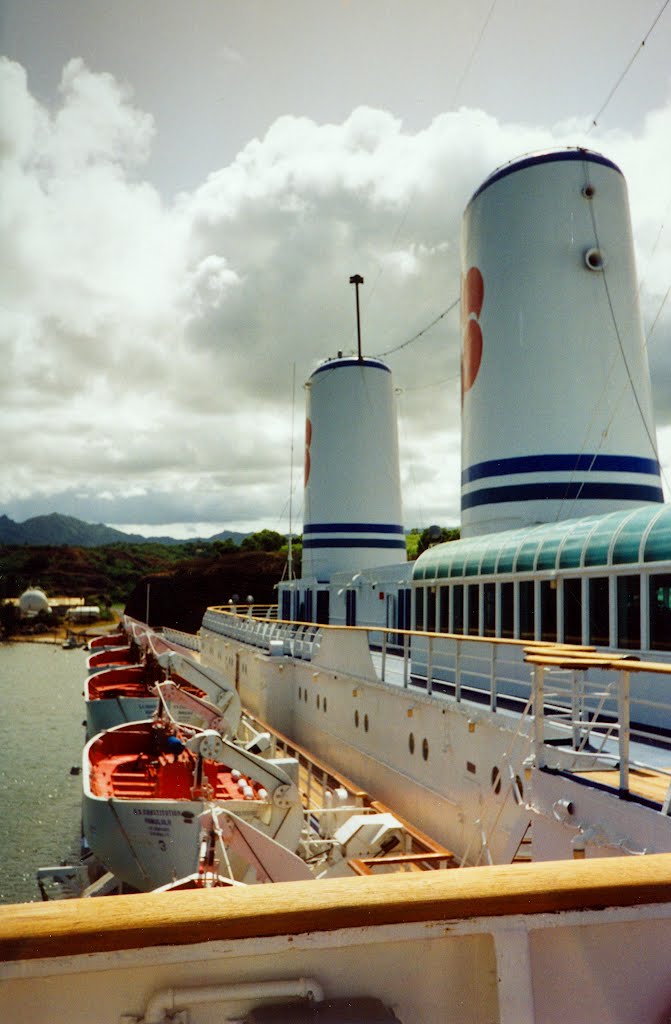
(56, 529)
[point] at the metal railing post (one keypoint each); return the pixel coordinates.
(384, 654)
(577, 700)
(406, 659)
(625, 729)
(492, 679)
(429, 667)
(457, 671)
(539, 725)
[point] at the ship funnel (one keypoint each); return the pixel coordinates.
(557, 417)
(352, 517)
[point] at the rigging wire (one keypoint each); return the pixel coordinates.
(668, 290)
(433, 384)
(475, 49)
(657, 316)
(651, 255)
(419, 334)
(646, 426)
(406, 210)
(623, 75)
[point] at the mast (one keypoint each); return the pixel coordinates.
(356, 280)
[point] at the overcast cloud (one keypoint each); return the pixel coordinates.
(149, 344)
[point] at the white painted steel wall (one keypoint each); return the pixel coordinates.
(352, 517)
(557, 417)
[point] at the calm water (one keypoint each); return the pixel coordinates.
(41, 738)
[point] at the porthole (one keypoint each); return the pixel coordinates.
(317, 700)
(356, 719)
(305, 696)
(425, 749)
(496, 780)
(365, 723)
(588, 191)
(595, 259)
(324, 703)
(411, 743)
(300, 692)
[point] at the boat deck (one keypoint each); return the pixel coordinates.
(166, 777)
(126, 686)
(643, 782)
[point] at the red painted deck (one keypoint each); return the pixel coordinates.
(133, 681)
(126, 764)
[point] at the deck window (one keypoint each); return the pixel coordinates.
(549, 610)
(599, 612)
(489, 609)
(572, 596)
(526, 600)
(419, 608)
(444, 626)
(350, 607)
(323, 606)
(629, 612)
(660, 611)
(431, 609)
(507, 610)
(458, 609)
(474, 610)
(403, 608)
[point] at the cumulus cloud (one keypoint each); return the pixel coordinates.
(149, 349)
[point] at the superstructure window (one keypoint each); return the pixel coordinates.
(431, 610)
(458, 609)
(660, 611)
(444, 626)
(549, 610)
(419, 608)
(526, 601)
(599, 612)
(507, 610)
(629, 612)
(489, 609)
(572, 597)
(323, 606)
(403, 608)
(474, 610)
(350, 608)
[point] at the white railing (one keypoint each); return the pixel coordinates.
(592, 714)
(177, 636)
(277, 637)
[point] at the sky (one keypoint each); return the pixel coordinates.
(186, 188)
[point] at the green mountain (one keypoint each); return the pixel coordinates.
(57, 529)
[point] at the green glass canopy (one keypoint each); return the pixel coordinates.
(641, 535)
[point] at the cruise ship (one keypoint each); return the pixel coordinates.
(508, 692)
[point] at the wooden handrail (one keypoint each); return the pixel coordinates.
(71, 927)
(498, 640)
(562, 658)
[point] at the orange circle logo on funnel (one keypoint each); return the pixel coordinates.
(308, 440)
(472, 298)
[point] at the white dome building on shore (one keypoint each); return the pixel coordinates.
(32, 602)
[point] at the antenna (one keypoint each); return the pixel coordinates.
(290, 552)
(356, 280)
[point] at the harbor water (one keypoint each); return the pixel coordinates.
(41, 740)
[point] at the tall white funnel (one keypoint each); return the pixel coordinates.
(557, 417)
(352, 517)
